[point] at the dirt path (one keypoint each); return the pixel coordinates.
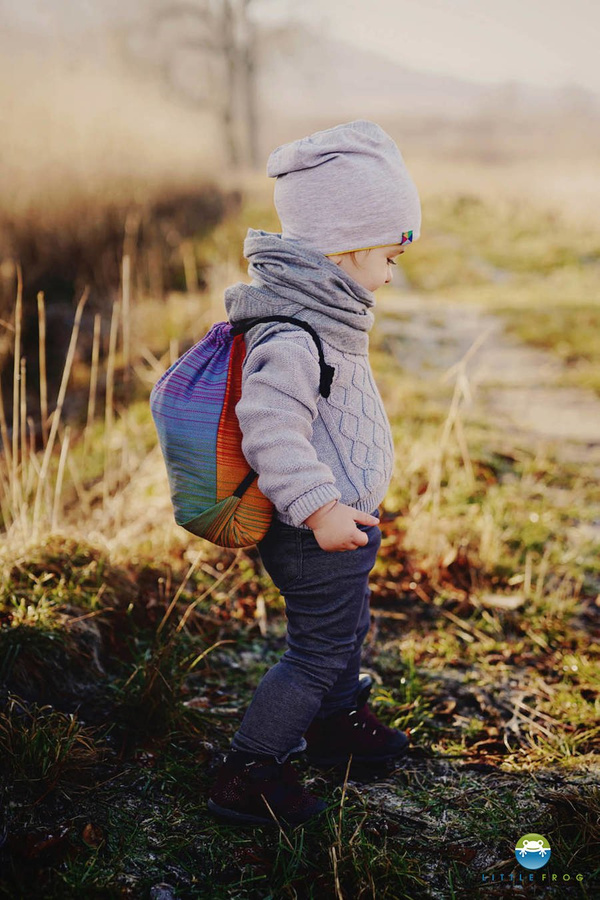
(516, 385)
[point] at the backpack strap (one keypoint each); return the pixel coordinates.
(327, 372)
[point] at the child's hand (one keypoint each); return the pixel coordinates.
(334, 527)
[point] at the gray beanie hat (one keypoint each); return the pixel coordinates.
(344, 189)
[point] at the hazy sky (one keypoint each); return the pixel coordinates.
(543, 42)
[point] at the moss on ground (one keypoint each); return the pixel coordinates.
(105, 773)
(117, 704)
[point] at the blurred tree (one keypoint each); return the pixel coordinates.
(204, 52)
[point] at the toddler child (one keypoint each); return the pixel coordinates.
(347, 207)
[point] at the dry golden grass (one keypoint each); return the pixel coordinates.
(92, 130)
(478, 603)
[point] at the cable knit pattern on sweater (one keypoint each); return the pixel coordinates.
(307, 449)
(356, 408)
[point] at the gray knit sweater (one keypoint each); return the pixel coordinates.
(306, 449)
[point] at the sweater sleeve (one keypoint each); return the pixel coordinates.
(280, 390)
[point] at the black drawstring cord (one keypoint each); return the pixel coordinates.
(327, 371)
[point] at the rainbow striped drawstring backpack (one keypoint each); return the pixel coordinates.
(213, 489)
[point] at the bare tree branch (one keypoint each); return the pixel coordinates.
(220, 31)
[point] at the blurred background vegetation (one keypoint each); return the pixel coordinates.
(133, 149)
(130, 134)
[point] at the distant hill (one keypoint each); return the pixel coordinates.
(93, 81)
(304, 76)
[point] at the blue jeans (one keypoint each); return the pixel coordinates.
(327, 608)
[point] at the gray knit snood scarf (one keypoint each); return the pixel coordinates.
(290, 278)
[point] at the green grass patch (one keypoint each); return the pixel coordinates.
(126, 672)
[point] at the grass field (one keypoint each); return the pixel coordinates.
(128, 651)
